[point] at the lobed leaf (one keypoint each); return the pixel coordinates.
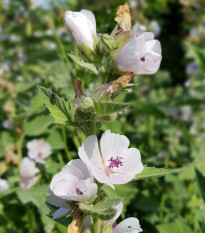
(58, 107)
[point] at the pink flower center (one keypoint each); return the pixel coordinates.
(115, 162)
(142, 59)
(79, 192)
(39, 155)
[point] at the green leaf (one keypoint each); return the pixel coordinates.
(150, 172)
(37, 125)
(126, 191)
(104, 209)
(177, 227)
(105, 108)
(35, 195)
(5, 140)
(200, 58)
(83, 64)
(58, 107)
(24, 86)
(201, 183)
(35, 106)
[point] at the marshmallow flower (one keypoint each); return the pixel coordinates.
(74, 183)
(141, 55)
(129, 225)
(118, 163)
(28, 171)
(4, 186)
(38, 150)
(82, 26)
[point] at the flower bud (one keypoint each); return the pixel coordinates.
(82, 26)
(141, 55)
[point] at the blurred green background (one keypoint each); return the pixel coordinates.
(166, 120)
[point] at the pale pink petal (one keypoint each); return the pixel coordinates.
(113, 145)
(128, 225)
(81, 166)
(61, 212)
(56, 201)
(101, 176)
(121, 178)
(89, 152)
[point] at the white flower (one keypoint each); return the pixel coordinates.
(118, 164)
(74, 183)
(82, 26)
(4, 186)
(28, 171)
(129, 225)
(141, 55)
(183, 113)
(38, 150)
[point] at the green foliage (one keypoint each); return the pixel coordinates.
(151, 172)
(105, 108)
(201, 183)
(58, 107)
(177, 226)
(38, 125)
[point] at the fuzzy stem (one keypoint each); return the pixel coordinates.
(92, 128)
(96, 225)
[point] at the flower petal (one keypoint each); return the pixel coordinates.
(128, 225)
(60, 212)
(113, 145)
(91, 20)
(131, 162)
(101, 176)
(82, 167)
(89, 152)
(56, 201)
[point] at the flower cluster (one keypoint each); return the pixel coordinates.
(118, 164)
(38, 150)
(141, 54)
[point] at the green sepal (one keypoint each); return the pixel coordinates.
(121, 39)
(89, 54)
(86, 104)
(106, 44)
(107, 228)
(107, 118)
(105, 108)
(104, 209)
(83, 64)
